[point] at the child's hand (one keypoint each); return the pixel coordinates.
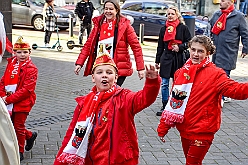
(162, 139)
(151, 72)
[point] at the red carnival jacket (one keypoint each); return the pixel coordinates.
(24, 97)
(202, 116)
(122, 134)
(126, 36)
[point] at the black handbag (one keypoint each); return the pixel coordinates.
(186, 55)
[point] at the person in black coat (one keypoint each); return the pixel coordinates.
(84, 10)
(173, 40)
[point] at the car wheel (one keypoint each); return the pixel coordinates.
(38, 22)
(59, 48)
(70, 44)
(34, 46)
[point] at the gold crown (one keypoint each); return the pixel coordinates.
(21, 44)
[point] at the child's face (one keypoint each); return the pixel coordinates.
(104, 77)
(22, 55)
(198, 52)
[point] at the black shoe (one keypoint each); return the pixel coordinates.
(159, 113)
(21, 156)
(30, 142)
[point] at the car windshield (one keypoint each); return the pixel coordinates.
(37, 2)
(169, 3)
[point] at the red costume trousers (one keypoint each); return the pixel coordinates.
(195, 150)
(18, 120)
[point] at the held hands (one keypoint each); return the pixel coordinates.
(151, 72)
(243, 55)
(77, 69)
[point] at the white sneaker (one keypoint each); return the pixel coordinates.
(47, 45)
(227, 99)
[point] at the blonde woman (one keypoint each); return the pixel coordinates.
(173, 40)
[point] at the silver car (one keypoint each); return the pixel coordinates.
(29, 12)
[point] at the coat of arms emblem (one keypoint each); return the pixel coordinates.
(177, 98)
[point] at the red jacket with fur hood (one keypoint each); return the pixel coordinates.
(24, 97)
(122, 136)
(126, 36)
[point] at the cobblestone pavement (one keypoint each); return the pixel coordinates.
(58, 86)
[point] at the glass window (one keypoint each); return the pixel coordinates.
(155, 8)
(135, 7)
(17, 1)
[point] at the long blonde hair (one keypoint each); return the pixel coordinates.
(177, 13)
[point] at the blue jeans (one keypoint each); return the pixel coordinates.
(165, 89)
(243, 7)
(228, 72)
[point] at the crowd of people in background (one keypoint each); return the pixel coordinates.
(200, 84)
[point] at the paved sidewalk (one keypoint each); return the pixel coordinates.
(58, 86)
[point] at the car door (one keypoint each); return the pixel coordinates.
(20, 12)
(153, 17)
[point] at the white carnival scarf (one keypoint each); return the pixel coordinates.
(106, 37)
(180, 93)
(76, 149)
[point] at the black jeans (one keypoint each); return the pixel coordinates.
(84, 27)
(47, 36)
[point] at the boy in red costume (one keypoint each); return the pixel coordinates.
(17, 91)
(194, 104)
(102, 130)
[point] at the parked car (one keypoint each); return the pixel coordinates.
(69, 7)
(153, 16)
(29, 12)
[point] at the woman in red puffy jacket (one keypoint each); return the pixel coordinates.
(115, 32)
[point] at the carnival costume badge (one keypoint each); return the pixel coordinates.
(177, 98)
(79, 135)
(219, 25)
(170, 29)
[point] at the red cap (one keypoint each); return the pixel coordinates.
(21, 44)
(104, 59)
